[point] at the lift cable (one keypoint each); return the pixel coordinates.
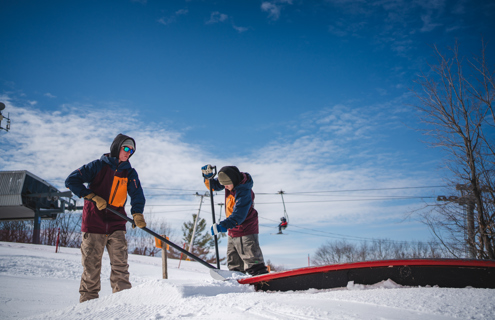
(334, 235)
(313, 201)
(354, 190)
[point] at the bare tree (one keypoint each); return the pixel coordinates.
(16, 231)
(70, 229)
(66, 226)
(380, 249)
(455, 102)
(274, 267)
(140, 242)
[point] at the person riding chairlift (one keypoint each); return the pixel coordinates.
(282, 225)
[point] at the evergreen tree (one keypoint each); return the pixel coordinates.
(203, 240)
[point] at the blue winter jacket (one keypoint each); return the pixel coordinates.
(111, 181)
(242, 218)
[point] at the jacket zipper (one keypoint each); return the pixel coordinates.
(115, 192)
(116, 188)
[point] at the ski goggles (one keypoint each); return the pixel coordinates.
(127, 149)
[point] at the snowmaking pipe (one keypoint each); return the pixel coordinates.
(176, 247)
(213, 213)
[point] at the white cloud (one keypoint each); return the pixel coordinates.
(53, 144)
(240, 29)
(173, 18)
(167, 20)
(49, 95)
(428, 24)
(274, 7)
(217, 17)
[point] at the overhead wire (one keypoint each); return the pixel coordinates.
(313, 201)
(303, 193)
(314, 232)
(333, 234)
(355, 190)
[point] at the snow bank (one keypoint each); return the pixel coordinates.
(37, 283)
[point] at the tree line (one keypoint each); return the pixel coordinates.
(343, 251)
(67, 227)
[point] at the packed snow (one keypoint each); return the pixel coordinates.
(37, 283)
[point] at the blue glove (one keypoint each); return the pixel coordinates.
(207, 171)
(216, 228)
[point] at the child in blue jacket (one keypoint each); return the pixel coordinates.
(243, 249)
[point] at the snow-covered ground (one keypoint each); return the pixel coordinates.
(37, 283)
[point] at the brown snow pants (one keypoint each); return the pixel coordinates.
(244, 253)
(92, 248)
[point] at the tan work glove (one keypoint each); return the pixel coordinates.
(100, 202)
(138, 220)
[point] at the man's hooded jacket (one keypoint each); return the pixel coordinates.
(112, 181)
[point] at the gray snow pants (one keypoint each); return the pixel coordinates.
(92, 248)
(244, 252)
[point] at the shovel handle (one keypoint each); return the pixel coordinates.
(156, 235)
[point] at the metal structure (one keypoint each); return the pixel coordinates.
(196, 220)
(24, 196)
(467, 200)
(7, 126)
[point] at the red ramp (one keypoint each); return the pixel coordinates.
(453, 273)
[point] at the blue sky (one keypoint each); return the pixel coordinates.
(305, 95)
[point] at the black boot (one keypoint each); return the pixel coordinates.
(257, 269)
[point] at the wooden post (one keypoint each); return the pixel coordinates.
(164, 259)
(58, 240)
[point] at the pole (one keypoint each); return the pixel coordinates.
(164, 260)
(281, 192)
(37, 226)
(470, 229)
(468, 201)
(176, 247)
(58, 239)
(213, 216)
(195, 223)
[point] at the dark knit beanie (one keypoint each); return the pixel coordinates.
(229, 174)
(224, 179)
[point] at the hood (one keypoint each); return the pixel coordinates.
(117, 144)
(246, 182)
(233, 173)
(114, 162)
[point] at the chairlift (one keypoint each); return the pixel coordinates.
(284, 221)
